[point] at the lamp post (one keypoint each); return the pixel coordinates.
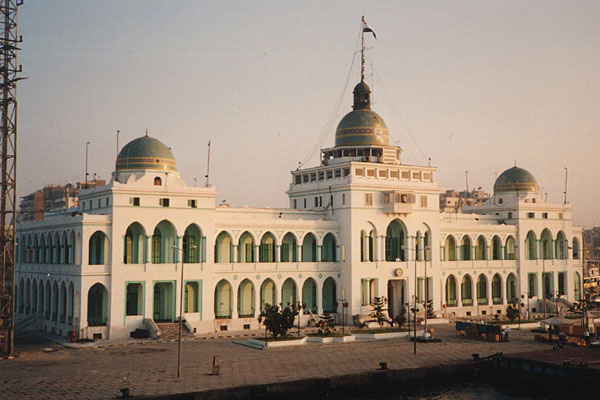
(415, 301)
(544, 249)
(180, 311)
(427, 252)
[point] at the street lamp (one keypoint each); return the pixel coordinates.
(427, 251)
(415, 301)
(180, 311)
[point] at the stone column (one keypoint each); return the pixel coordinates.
(277, 253)
(234, 253)
(234, 302)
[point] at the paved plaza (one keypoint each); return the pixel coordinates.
(98, 371)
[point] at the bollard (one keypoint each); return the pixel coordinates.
(216, 365)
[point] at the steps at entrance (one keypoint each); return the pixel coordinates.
(170, 330)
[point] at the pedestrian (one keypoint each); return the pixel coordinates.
(586, 337)
(506, 331)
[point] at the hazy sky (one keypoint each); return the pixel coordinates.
(474, 85)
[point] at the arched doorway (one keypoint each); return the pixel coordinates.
(451, 291)
(246, 299)
(511, 288)
(329, 296)
(466, 291)
(97, 305)
(288, 293)
(309, 295)
(223, 300)
(496, 289)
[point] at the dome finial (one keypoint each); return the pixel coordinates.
(146, 132)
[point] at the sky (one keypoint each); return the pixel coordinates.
(472, 85)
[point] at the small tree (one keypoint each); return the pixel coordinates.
(378, 309)
(326, 324)
(512, 312)
(400, 320)
(278, 321)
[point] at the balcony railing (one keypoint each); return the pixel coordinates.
(482, 302)
(467, 302)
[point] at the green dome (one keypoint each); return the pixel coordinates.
(516, 179)
(146, 153)
(362, 126)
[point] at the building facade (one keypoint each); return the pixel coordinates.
(359, 225)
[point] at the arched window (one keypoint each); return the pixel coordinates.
(480, 249)
(575, 248)
(309, 248)
(223, 248)
(466, 291)
(496, 289)
(267, 248)
(560, 246)
(223, 299)
(192, 240)
(288, 293)
(451, 291)
(246, 248)
(289, 248)
(511, 288)
(496, 248)
(98, 248)
(134, 244)
(427, 246)
(246, 299)
(418, 246)
(465, 248)
(530, 248)
(157, 181)
(268, 293)
(482, 290)
(97, 305)
(163, 239)
(395, 241)
(363, 246)
(309, 295)
(450, 249)
(546, 244)
(509, 248)
(328, 249)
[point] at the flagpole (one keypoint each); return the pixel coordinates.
(208, 165)
(362, 49)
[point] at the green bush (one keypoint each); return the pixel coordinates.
(378, 310)
(278, 320)
(512, 313)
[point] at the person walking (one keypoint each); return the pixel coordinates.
(506, 332)
(586, 337)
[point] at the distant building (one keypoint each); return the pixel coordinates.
(592, 256)
(53, 198)
(453, 201)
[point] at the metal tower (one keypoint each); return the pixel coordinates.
(8, 159)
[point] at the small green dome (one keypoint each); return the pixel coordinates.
(362, 126)
(146, 153)
(516, 179)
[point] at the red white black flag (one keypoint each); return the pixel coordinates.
(367, 28)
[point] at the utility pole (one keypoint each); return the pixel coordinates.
(566, 174)
(8, 147)
(467, 180)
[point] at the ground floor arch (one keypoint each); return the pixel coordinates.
(163, 304)
(97, 305)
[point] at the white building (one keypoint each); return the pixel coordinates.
(358, 226)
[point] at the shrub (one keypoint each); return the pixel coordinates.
(512, 313)
(326, 324)
(278, 320)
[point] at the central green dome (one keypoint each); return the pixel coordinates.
(146, 153)
(516, 179)
(362, 126)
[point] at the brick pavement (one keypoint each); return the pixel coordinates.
(149, 368)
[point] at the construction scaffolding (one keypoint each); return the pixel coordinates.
(8, 158)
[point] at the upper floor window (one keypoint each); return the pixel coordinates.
(164, 202)
(192, 203)
(157, 181)
(369, 199)
(135, 201)
(530, 215)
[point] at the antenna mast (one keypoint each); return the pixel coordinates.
(208, 165)
(8, 147)
(362, 49)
